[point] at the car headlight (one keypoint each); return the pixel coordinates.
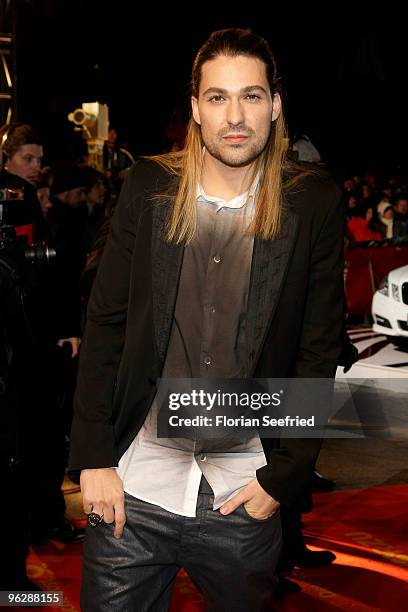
(384, 287)
(395, 292)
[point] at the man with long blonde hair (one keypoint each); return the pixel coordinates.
(224, 260)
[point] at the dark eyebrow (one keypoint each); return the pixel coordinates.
(252, 88)
(245, 90)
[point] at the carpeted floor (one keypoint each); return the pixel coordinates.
(366, 528)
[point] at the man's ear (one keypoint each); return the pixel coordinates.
(276, 106)
(194, 108)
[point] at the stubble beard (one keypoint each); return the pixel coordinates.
(236, 155)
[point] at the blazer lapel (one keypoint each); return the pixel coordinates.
(269, 266)
(167, 260)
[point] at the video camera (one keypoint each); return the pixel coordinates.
(93, 121)
(17, 256)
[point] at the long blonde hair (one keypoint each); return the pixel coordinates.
(270, 165)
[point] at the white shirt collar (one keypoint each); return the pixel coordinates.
(237, 202)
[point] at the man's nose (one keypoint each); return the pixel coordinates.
(235, 113)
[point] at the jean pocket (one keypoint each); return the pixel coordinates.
(272, 517)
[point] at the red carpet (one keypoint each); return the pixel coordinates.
(367, 529)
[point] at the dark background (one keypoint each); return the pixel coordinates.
(344, 74)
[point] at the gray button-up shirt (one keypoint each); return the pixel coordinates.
(207, 341)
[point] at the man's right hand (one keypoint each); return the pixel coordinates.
(102, 492)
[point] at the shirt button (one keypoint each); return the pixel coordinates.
(208, 361)
(203, 457)
(217, 258)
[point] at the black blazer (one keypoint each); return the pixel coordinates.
(294, 325)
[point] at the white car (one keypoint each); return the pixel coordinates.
(390, 306)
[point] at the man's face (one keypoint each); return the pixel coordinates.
(96, 195)
(26, 162)
(401, 206)
(235, 109)
(112, 136)
(75, 197)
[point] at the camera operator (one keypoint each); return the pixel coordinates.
(38, 317)
(14, 541)
(22, 154)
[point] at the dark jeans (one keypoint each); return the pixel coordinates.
(231, 559)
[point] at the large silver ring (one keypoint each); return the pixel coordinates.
(94, 519)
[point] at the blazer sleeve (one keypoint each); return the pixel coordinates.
(290, 466)
(92, 437)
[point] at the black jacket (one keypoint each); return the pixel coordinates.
(294, 323)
